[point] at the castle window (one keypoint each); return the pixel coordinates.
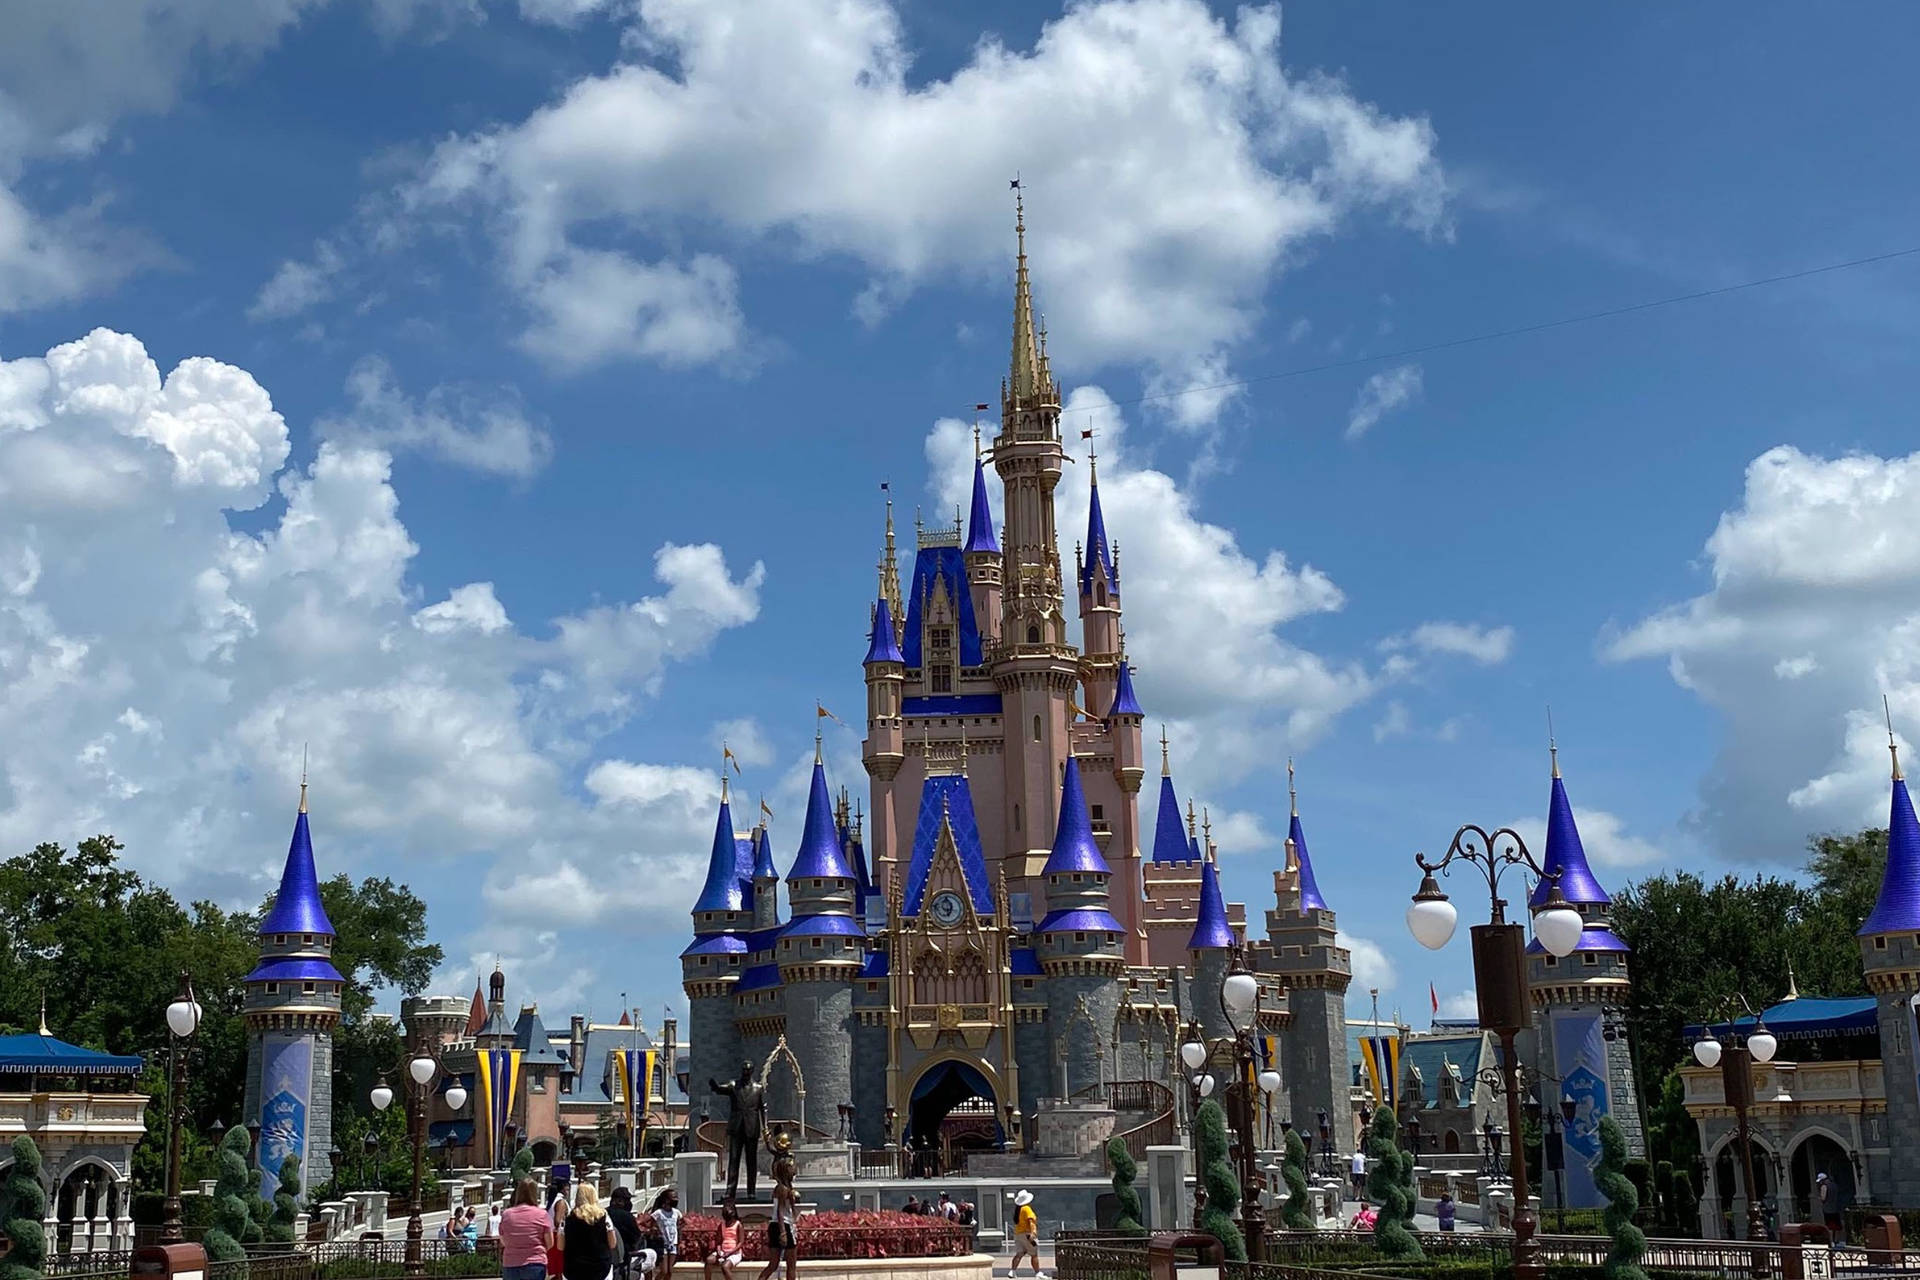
(1016, 817)
(273, 988)
(816, 944)
(1100, 594)
(306, 939)
(1036, 728)
(943, 679)
(1026, 984)
(1591, 958)
(306, 988)
(940, 638)
(1098, 811)
(1553, 962)
(1879, 944)
(1079, 937)
(1033, 635)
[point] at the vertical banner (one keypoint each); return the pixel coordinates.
(635, 1069)
(497, 1072)
(1382, 1057)
(1580, 1060)
(286, 1090)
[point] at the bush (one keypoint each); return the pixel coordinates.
(286, 1202)
(1387, 1187)
(234, 1193)
(23, 1207)
(1216, 1175)
(522, 1166)
(1124, 1171)
(1686, 1204)
(1629, 1243)
(1298, 1212)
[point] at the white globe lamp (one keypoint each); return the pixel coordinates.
(1706, 1050)
(1431, 918)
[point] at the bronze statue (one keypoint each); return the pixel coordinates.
(744, 1123)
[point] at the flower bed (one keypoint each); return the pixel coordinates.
(882, 1233)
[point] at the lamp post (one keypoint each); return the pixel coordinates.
(1327, 1169)
(370, 1159)
(183, 1019)
(1240, 1004)
(1193, 1055)
(1735, 1060)
(1553, 1148)
(1500, 978)
(420, 1069)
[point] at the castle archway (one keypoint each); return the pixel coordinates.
(953, 1107)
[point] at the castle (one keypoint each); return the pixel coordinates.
(1016, 934)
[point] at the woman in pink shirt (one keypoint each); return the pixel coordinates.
(526, 1233)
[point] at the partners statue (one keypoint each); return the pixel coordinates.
(745, 1121)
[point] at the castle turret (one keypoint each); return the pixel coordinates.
(1890, 951)
(884, 750)
(1099, 582)
(711, 965)
(1079, 942)
(1574, 996)
(1170, 839)
(982, 551)
(1210, 949)
(819, 953)
(292, 1005)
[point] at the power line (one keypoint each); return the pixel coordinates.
(1517, 330)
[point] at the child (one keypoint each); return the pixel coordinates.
(726, 1253)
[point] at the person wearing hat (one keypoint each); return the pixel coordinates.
(1829, 1199)
(1026, 1233)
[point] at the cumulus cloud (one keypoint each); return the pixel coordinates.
(1381, 395)
(1603, 835)
(620, 208)
(484, 431)
(162, 663)
(1373, 969)
(1811, 614)
(1488, 646)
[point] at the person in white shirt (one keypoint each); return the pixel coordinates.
(1359, 1175)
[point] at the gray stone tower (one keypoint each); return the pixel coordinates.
(1079, 942)
(292, 1005)
(1303, 950)
(1577, 1055)
(712, 963)
(1890, 952)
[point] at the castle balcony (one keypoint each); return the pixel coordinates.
(1787, 1088)
(93, 1115)
(974, 1024)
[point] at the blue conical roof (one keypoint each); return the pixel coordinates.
(881, 646)
(980, 519)
(1310, 899)
(1898, 908)
(297, 907)
(722, 892)
(1210, 929)
(1124, 703)
(1566, 855)
(763, 868)
(1073, 844)
(1169, 832)
(820, 853)
(1099, 550)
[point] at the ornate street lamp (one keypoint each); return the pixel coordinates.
(1735, 1061)
(1240, 1005)
(420, 1069)
(183, 1019)
(370, 1156)
(1500, 978)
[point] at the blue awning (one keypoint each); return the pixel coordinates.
(45, 1055)
(1808, 1018)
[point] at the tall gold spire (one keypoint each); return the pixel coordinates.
(1028, 378)
(1892, 745)
(1553, 748)
(890, 573)
(303, 777)
(1166, 769)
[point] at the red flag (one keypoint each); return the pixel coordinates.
(980, 408)
(1434, 996)
(1087, 434)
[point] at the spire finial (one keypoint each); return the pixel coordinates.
(1793, 986)
(43, 1015)
(1191, 832)
(1093, 459)
(1553, 748)
(1293, 800)
(1166, 768)
(1893, 746)
(303, 777)
(976, 440)
(1206, 832)
(963, 744)
(726, 757)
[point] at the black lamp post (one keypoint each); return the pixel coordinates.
(253, 1141)
(420, 1070)
(1327, 1169)
(1500, 979)
(1240, 997)
(370, 1159)
(1736, 1059)
(183, 1019)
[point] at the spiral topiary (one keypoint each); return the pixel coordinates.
(1623, 1201)
(1124, 1171)
(286, 1202)
(1216, 1175)
(23, 1207)
(232, 1194)
(1298, 1213)
(1387, 1188)
(522, 1166)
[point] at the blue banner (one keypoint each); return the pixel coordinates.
(1580, 1060)
(286, 1088)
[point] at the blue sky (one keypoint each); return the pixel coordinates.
(624, 310)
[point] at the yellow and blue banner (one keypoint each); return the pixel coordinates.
(634, 1069)
(1381, 1054)
(498, 1072)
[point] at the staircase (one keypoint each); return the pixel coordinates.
(1143, 1112)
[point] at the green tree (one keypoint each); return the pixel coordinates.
(1623, 1201)
(286, 1202)
(23, 1209)
(380, 940)
(232, 1219)
(1387, 1188)
(1216, 1175)
(1125, 1170)
(1298, 1212)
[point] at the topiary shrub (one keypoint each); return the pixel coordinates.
(286, 1202)
(1686, 1205)
(23, 1207)
(1629, 1242)
(1125, 1169)
(1216, 1175)
(1298, 1211)
(232, 1194)
(522, 1166)
(1387, 1187)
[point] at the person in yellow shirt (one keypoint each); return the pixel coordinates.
(1026, 1233)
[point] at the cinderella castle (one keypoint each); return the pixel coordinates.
(1000, 927)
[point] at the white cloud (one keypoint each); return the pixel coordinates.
(1396, 722)
(482, 431)
(1603, 835)
(800, 128)
(1461, 1004)
(746, 739)
(1380, 395)
(1813, 612)
(1373, 969)
(161, 667)
(1488, 646)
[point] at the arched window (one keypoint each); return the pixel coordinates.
(1036, 728)
(1016, 817)
(1033, 635)
(1100, 593)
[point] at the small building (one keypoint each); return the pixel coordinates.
(82, 1109)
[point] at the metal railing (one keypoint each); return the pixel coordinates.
(1765, 1260)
